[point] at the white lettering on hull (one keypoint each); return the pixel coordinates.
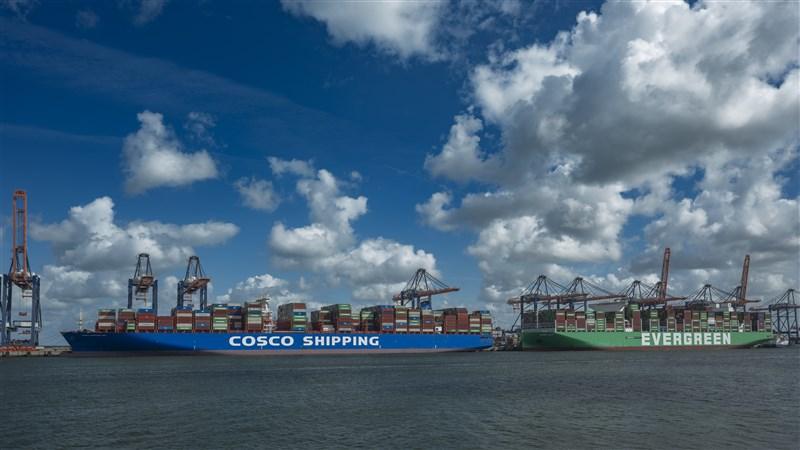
(276, 341)
(681, 339)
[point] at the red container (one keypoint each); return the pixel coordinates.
(637, 321)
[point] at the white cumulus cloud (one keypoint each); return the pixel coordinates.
(402, 28)
(154, 157)
(598, 124)
(329, 246)
(257, 194)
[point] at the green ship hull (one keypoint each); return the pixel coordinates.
(639, 340)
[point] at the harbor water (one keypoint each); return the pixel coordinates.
(663, 399)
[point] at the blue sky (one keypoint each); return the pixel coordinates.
(581, 152)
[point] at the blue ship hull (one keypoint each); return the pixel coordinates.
(90, 342)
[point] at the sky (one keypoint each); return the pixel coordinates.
(322, 152)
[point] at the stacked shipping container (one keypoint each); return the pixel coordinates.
(292, 317)
(106, 320)
(145, 320)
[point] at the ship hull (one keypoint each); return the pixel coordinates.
(93, 343)
(637, 340)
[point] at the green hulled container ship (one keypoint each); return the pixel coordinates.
(625, 327)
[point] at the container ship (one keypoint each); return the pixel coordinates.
(584, 316)
(249, 330)
(409, 326)
(625, 328)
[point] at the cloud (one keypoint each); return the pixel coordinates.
(328, 245)
(277, 289)
(597, 125)
(86, 19)
(199, 125)
(90, 240)
(148, 11)
(661, 83)
(296, 167)
(153, 157)
(461, 158)
(404, 29)
(257, 194)
(432, 31)
(20, 8)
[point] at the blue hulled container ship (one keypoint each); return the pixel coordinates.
(407, 326)
(96, 343)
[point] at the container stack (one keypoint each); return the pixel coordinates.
(610, 321)
(601, 320)
(235, 318)
(183, 318)
(438, 320)
(384, 318)
(726, 321)
(145, 320)
(202, 321)
(591, 323)
(253, 320)
(341, 317)
(671, 322)
(748, 323)
(561, 320)
(734, 322)
(292, 317)
(427, 321)
(461, 322)
(321, 321)
(356, 321)
(619, 322)
(368, 320)
(126, 320)
(219, 317)
(400, 319)
(696, 321)
(486, 322)
(450, 321)
(475, 322)
(166, 324)
(106, 320)
(462, 315)
(704, 321)
(655, 325)
(571, 325)
(636, 317)
(580, 320)
(414, 320)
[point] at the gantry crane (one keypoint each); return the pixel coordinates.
(194, 281)
(20, 275)
(739, 295)
(142, 283)
(784, 313)
(419, 290)
(646, 295)
(542, 290)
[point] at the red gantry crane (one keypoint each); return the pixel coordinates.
(646, 295)
(739, 295)
(20, 275)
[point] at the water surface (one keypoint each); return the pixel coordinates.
(671, 399)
